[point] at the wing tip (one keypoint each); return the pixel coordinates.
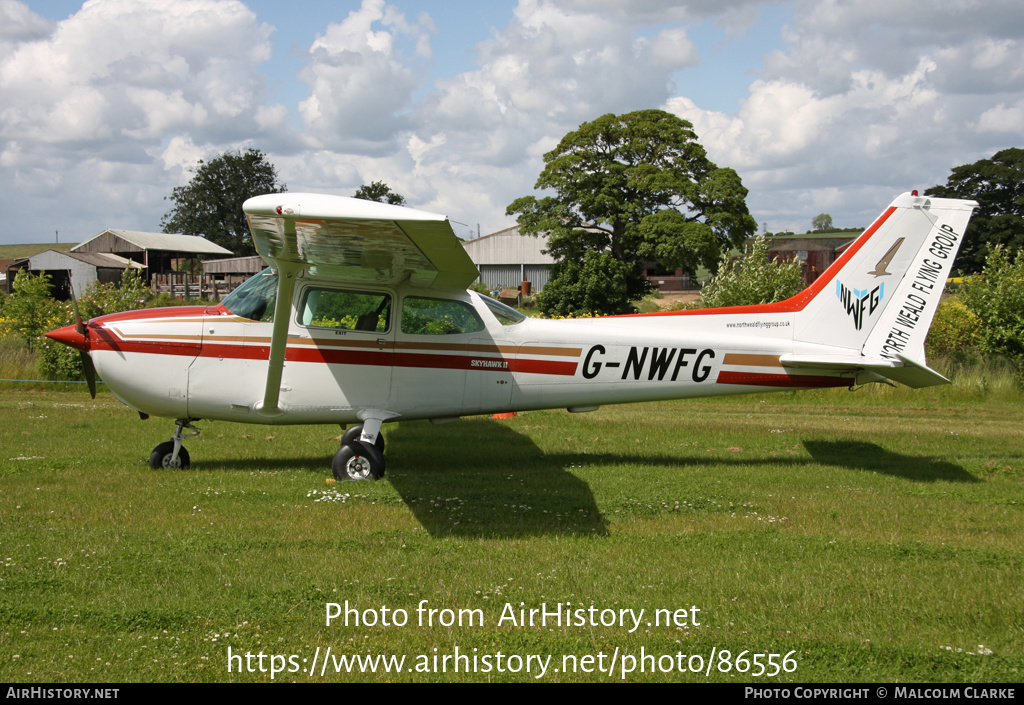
(324, 206)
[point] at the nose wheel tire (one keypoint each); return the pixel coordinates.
(358, 461)
(162, 455)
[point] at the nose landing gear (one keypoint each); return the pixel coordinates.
(171, 454)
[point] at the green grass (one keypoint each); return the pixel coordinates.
(19, 251)
(876, 535)
(16, 362)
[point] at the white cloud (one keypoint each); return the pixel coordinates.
(672, 49)
(878, 137)
(98, 108)
(181, 154)
(870, 98)
(19, 24)
(360, 80)
(1007, 119)
(864, 98)
(554, 66)
(977, 46)
(139, 69)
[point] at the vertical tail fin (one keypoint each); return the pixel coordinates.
(878, 299)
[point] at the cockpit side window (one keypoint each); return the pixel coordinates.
(422, 316)
(346, 310)
(255, 298)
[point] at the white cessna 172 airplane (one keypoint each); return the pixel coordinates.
(363, 318)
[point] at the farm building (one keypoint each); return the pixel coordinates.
(816, 250)
(6, 264)
(155, 251)
(74, 269)
(670, 280)
(228, 273)
(506, 259)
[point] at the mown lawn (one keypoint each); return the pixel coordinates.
(874, 536)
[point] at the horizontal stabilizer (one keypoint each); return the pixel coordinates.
(916, 375)
(904, 370)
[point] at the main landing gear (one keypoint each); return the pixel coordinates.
(358, 459)
(171, 454)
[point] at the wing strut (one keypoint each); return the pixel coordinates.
(286, 272)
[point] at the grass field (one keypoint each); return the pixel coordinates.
(868, 536)
(19, 251)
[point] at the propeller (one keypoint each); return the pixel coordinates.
(82, 329)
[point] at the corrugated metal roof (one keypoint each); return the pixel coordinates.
(162, 241)
(54, 259)
(104, 259)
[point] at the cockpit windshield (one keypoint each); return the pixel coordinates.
(506, 315)
(255, 298)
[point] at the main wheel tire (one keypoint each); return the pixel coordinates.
(358, 461)
(355, 432)
(160, 458)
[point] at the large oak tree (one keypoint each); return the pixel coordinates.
(380, 192)
(210, 205)
(629, 189)
(997, 184)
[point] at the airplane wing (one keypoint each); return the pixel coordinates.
(353, 240)
(348, 240)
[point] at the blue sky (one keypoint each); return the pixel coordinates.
(829, 106)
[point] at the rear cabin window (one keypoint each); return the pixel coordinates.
(422, 316)
(346, 310)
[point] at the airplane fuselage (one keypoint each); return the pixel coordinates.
(363, 317)
(209, 363)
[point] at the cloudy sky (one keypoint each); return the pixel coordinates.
(827, 106)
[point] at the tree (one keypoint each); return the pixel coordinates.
(754, 279)
(29, 312)
(955, 331)
(380, 192)
(822, 222)
(630, 189)
(210, 205)
(997, 184)
(996, 297)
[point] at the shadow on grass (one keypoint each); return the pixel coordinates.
(482, 479)
(320, 465)
(857, 455)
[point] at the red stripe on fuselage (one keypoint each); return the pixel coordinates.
(758, 379)
(109, 341)
(428, 361)
(790, 305)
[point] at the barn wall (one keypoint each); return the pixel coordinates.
(83, 275)
(510, 276)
